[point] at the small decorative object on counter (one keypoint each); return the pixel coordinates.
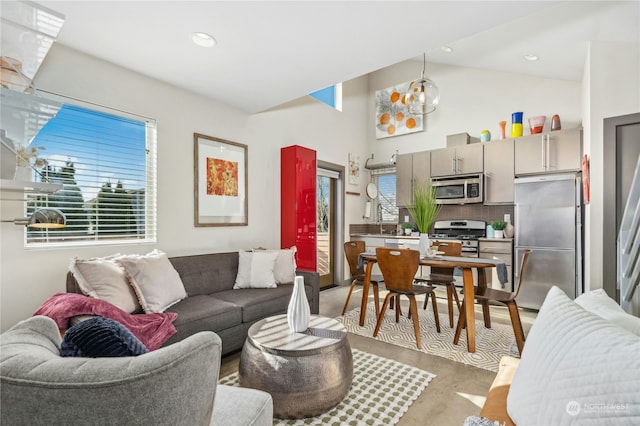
(485, 136)
(555, 122)
(498, 228)
(490, 231)
(516, 124)
(298, 312)
(508, 230)
(407, 228)
(503, 126)
(536, 124)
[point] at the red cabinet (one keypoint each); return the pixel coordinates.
(298, 203)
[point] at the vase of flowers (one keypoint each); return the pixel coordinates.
(424, 211)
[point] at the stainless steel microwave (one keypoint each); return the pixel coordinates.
(458, 189)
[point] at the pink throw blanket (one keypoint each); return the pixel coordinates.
(151, 329)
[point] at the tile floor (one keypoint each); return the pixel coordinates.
(458, 390)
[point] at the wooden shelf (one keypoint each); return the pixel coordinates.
(28, 187)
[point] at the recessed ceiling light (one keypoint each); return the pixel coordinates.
(203, 39)
(531, 57)
(446, 49)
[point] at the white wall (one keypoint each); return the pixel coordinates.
(472, 100)
(30, 276)
(611, 88)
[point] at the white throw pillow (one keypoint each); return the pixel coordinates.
(255, 269)
(154, 279)
(284, 270)
(102, 278)
(598, 302)
(576, 368)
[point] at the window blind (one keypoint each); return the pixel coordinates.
(385, 205)
(106, 163)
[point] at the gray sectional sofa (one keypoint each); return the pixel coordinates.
(174, 385)
(213, 305)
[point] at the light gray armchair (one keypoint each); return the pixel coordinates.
(174, 385)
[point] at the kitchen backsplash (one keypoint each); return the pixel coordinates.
(448, 212)
(371, 228)
(474, 211)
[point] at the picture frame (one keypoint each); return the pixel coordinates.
(220, 182)
(392, 115)
(354, 169)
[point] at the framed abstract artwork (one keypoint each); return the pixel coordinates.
(220, 182)
(392, 115)
(354, 169)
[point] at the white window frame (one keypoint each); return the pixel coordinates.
(390, 207)
(149, 212)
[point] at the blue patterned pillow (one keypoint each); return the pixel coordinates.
(479, 421)
(100, 337)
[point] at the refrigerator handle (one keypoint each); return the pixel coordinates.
(453, 165)
(579, 242)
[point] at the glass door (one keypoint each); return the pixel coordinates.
(325, 215)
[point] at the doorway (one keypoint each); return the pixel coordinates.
(330, 222)
(621, 151)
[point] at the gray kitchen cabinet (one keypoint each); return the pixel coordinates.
(411, 168)
(422, 167)
(549, 152)
(501, 249)
(457, 160)
(404, 175)
(498, 171)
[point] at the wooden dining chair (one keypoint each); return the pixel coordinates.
(444, 276)
(507, 298)
(353, 249)
(399, 267)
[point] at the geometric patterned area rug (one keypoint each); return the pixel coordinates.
(381, 392)
(491, 343)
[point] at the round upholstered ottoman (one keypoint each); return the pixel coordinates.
(306, 373)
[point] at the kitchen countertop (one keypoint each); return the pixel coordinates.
(404, 237)
(409, 237)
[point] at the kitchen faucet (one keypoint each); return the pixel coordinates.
(380, 218)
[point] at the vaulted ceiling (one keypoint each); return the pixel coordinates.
(271, 52)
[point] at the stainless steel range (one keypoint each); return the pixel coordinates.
(465, 232)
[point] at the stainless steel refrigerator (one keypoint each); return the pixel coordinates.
(548, 220)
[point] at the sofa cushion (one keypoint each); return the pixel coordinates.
(576, 367)
(154, 279)
(207, 273)
(255, 269)
(598, 302)
(216, 313)
(258, 303)
(100, 337)
(102, 278)
(249, 407)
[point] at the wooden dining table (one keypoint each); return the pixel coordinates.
(466, 264)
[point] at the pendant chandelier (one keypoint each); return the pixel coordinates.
(423, 95)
